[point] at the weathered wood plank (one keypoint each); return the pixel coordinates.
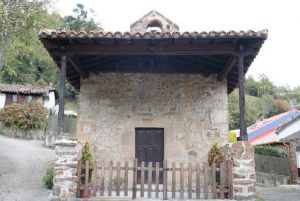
(126, 179)
(165, 177)
(181, 181)
(157, 179)
(206, 180)
(173, 180)
(229, 178)
(214, 187)
(110, 174)
(190, 181)
(142, 178)
(78, 178)
(222, 179)
(102, 184)
(86, 179)
(62, 95)
(94, 178)
(241, 79)
(198, 181)
(149, 179)
(118, 179)
(134, 178)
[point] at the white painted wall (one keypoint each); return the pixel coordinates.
(49, 102)
(2, 100)
(290, 132)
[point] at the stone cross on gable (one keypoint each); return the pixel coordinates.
(153, 21)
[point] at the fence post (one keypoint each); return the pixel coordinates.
(86, 175)
(78, 178)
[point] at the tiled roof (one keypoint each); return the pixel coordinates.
(48, 33)
(25, 89)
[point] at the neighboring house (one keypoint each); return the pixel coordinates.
(264, 132)
(277, 131)
(14, 93)
(290, 132)
(153, 95)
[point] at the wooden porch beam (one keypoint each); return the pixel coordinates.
(78, 67)
(62, 96)
(241, 81)
(227, 68)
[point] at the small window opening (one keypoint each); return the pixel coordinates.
(15, 98)
(154, 26)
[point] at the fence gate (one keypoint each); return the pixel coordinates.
(180, 181)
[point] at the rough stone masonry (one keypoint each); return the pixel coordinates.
(192, 110)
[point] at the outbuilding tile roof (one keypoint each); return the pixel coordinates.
(25, 89)
(48, 33)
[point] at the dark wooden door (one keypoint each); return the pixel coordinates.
(149, 147)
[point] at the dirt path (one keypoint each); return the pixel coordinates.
(280, 193)
(22, 166)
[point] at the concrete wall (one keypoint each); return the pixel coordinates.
(193, 111)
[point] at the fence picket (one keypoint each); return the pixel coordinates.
(190, 181)
(149, 179)
(86, 181)
(173, 180)
(214, 189)
(181, 181)
(222, 179)
(165, 177)
(156, 179)
(198, 181)
(126, 179)
(110, 173)
(134, 178)
(229, 178)
(102, 184)
(118, 180)
(142, 178)
(94, 179)
(205, 180)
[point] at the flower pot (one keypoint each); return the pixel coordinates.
(226, 191)
(88, 194)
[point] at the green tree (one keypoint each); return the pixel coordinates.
(16, 18)
(80, 20)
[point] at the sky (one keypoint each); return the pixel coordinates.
(278, 56)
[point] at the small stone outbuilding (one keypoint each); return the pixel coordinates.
(154, 93)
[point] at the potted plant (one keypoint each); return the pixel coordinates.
(86, 156)
(215, 155)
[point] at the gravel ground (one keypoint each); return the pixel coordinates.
(280, 193)
(23, 164)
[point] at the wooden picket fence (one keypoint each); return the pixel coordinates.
(181, 181)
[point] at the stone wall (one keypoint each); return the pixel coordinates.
(68, 152)
(243, 171)
(192, 109)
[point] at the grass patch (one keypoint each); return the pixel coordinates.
(260, 198)
(71, 105)
(48, 178)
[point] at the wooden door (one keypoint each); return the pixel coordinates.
(149, 147)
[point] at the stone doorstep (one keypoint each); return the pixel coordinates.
(139, 199)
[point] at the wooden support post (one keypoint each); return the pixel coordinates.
(62, 95)
(243, 128)
(165, 181)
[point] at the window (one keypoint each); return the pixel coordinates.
(15, 98)
(154, 25)
(29, 98)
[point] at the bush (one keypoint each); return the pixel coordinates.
(269, 151)
(31, 115)
(215, 155)
(232, 137)
(48, 178)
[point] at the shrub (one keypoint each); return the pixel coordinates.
(48, 178)
(232, 137)
(269, 151)
(31, 115)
